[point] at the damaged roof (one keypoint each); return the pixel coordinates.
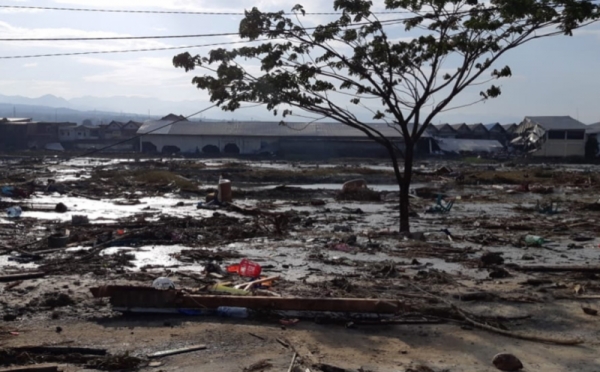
(454, 145)
(262, 129)
(553, 122)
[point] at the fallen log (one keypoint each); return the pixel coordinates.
(557, 268)
(21, 276)
(38, 368)
(147, 297)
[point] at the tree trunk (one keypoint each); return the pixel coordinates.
(404, 184)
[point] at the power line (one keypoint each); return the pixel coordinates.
(125, 37)
(95, 151)
(390, 21)
(172, 11)
(130, 50)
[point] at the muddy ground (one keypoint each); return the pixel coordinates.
(459, 272)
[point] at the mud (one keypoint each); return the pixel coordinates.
(293, 220)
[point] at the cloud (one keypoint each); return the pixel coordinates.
(9, 31)
(144, 72)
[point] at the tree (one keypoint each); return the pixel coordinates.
(405, 82)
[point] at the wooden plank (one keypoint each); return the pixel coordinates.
(36, 368)
(21, 276)
(58, 350)
(165, 353)
(148, 297)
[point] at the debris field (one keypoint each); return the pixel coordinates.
(138, 264)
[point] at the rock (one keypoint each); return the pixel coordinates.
(9, 317)
(341, 228)
(499, 273)
(507, 362)
(61, 208)
(59, 329)
(491, 258)
(53, 300)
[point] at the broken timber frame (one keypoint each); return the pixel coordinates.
(130, 297)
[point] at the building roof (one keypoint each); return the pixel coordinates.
(454, 145)
(461, 126)
(495, 125)
(174, 117)
(261, 129)
(440, 127)
(553, 123)
(478, 125)
(15, 120)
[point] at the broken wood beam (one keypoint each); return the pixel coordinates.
(165, 353)
(57, 350)
(129, 297)
(36, 368)
(21, 276)
(557, 268)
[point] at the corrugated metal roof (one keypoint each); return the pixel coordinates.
(262, 129)
(460, 126)
(555, 122)
(468, 145)
(494, 125)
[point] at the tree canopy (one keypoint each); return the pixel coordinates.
(359, 61)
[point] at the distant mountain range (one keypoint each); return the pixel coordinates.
(97, 109)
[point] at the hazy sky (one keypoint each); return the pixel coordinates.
(556, 76)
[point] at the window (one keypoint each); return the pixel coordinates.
(575, 134)
(556, 135)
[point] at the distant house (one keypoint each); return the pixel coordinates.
(444, 131)
(23, 133)
(14, 133)
(478, 131)
(552, 136)
(130, 129)
(112, 130)
(462, 130)
(497, 132)
(79, 133)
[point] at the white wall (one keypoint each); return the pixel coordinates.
(561, 148)
(189, 144)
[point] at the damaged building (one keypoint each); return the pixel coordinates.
(551, 136)
(319, 140)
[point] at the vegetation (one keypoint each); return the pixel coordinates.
(360, 63)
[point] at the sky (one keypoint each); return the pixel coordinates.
(554, 76)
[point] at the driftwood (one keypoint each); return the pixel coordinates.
(528, 337)
(21, 276)
(165, 353)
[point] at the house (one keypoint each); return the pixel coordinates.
(319, 140)
(112, 130)
(478, 131)
(129, 129)
(23, 133)
(79, 133)
(445, 131)
(14, 133)
(462, 130)
(497, 132)
(551, 136)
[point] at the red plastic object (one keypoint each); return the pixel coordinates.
(233, 268)
(249, 269)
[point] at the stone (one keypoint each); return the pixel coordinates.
(507, 362)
